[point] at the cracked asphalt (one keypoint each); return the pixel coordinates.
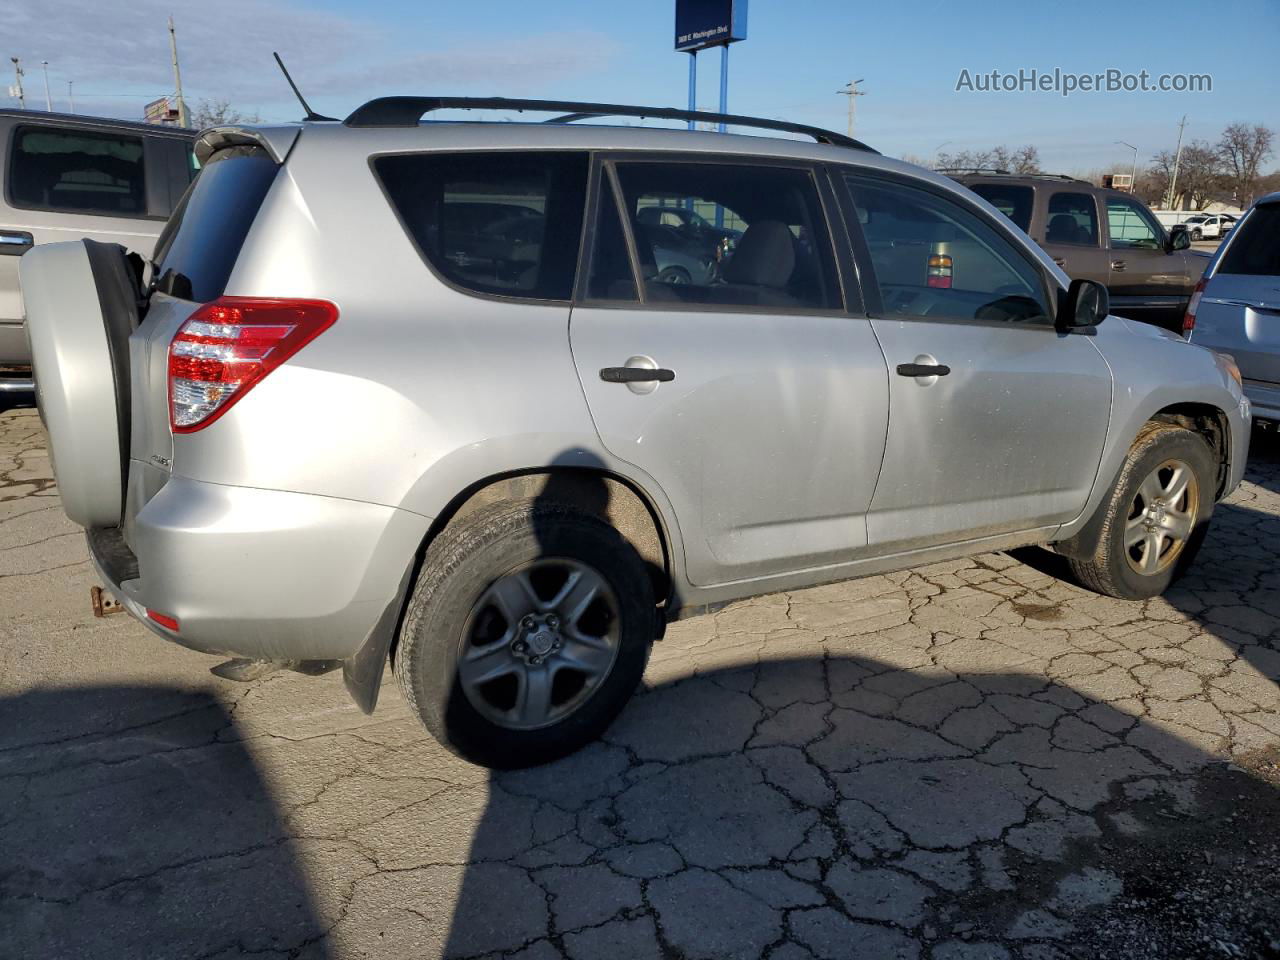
(967, 760)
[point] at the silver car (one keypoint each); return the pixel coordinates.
(342, 424)
(1236, 307)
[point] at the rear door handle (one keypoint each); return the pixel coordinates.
(637, 374)
(1118, 265)
(923, 369)
(15, 243)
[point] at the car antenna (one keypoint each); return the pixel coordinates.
(310, 114)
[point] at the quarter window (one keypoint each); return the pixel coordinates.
(719, 234)
(495, 222)
(1073, 219)
(54, 169)
(1131, 226)
(1254, 248)
(937, 260)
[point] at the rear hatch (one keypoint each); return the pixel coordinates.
(1239, 311)
(193, 261)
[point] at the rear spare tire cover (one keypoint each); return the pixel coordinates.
(80, 310)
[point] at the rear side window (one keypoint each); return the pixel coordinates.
(199, 245)
(77, 171)
(493, 222)
(1255, 244)
(1013, 201)
(1073, 219)
(720, 234)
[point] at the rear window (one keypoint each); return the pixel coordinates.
(1014, 202)
(199, 245)
(1255, 244)
(494, 222)
(75, 170)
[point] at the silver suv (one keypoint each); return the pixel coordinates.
(421, 391)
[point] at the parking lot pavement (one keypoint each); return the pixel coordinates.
(971, 759)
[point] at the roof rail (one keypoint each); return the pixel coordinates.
(995, 170)
(407, 111)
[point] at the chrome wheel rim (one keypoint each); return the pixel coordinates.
(538, 643)
(1161, 518)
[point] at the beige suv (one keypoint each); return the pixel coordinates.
(1103, 235)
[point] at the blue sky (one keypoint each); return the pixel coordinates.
(797, 55)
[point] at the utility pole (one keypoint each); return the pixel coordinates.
(71, 94)
(17, 89)
(177, 74)
(851, 90)
(1177, 159)
(48, 100)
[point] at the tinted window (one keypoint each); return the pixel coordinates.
(53, 169)
(726, 234)
(933, 258)
(1255, 244)
(611, 274)
(1073, 219)
(500, 223)
(1131, 226)
(199, 245)
(1014, 202)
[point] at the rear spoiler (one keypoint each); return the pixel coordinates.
(277, 141)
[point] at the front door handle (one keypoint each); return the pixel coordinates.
(1118, 265)
(923, 369)
(637, 375)
(15, 243)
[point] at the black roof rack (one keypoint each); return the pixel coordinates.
(998, 172)
(407, 111)
(992, 170)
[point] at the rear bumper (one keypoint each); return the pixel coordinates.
(1265, 398)
(261, 573)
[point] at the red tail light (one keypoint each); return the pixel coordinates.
(939, 272)
(1189, 318)
(166, 621)
(227, 346)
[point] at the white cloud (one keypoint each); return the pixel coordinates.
(225, 49)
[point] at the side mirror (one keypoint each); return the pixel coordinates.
(1085, 303)
(1178, 239)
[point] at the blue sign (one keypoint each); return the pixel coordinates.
(709, 23)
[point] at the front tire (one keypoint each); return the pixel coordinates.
(1197, 235)
(1156, 516)
(528, 630)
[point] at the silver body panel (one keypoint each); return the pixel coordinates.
(786, 452)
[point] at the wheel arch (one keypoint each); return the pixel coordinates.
(1211, 423)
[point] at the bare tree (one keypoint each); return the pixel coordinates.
(1241, 150)
(217, 113)
(1199, 175)
(1022, 160)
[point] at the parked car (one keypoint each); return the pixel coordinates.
(1236, 306)
(1208, 226)
(301, 450)
(71, 176)
(1103, 235)
(693, 228)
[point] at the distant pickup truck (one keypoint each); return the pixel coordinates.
(1209, 226)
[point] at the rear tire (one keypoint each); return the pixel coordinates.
(1156, 516)
(476, 665)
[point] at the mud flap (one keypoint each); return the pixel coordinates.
(362, 672)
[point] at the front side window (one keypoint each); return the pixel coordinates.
(1073, 219)
(493, 222)
(1131, 226)
(76, 170)
(935, 259)
(1013, 201)
(720, 234)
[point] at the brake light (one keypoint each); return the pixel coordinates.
(166, 621)
(1189, 318)
(227, 346)
(939, 272)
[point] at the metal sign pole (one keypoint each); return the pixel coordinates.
(724, 108)
(693, 83)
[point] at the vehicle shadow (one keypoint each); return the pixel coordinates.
(802, 788)
(147, 837)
